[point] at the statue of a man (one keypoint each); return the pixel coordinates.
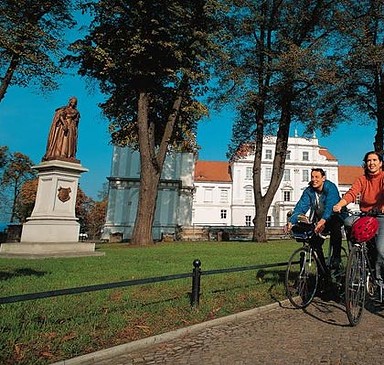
(62, 138)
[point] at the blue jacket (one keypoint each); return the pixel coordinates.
(330, 196)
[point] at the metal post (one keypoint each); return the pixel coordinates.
(196, 274)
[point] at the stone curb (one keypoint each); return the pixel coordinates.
(94, 357)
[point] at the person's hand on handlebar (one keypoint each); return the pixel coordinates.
(337, 208)
(320, 226)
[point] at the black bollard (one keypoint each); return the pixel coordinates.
(196, 274)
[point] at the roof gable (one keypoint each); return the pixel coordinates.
(212, 171)
(328, 155)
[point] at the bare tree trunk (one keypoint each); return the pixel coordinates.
(149, 177)
(260, 213)
(378, 144)
(263, 202)
(8, 76)
(142, 232)
(15, 194)
(151, 165)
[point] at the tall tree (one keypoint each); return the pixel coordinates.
(17, 171)
(277, 66)
(361, 23)
(30, 41)
(26, 200)
(149, 58)
(3, 156)
(82, 208)
(96, 218)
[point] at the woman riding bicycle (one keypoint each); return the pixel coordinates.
(369, 189)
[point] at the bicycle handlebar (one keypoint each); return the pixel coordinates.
(371, 213)
(304, 231)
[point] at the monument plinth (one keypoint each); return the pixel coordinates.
(52, 229)
(53, 218)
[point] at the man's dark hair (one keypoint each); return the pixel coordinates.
(322, 172)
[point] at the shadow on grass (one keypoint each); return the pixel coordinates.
(7, 275)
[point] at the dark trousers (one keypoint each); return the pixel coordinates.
(333, 228)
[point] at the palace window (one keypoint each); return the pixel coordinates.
(288, 155)
(224, 195)
(268, 154)
(208, 195)
(248, 173)
(268, 173)
(248, 195)
(287, 175)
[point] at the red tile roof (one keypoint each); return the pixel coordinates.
(219, 171)
(212, 171)
(348, 174)
(328, 155)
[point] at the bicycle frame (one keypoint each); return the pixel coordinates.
(364, 246)
(371, 280)
(304, 269)
(361, 277)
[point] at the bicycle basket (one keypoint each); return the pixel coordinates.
(302, 231)
(364, 229)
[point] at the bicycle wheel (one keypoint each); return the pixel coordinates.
(301, 278)
(338, 274)
(355, 288)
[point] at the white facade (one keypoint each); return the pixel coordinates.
(216, 193)
(212, 204)
(210, 208)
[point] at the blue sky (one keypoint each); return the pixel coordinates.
(25, 119)
(26, 116)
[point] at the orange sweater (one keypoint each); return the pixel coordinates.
(371, 191)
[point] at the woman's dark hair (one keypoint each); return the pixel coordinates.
(365, 159)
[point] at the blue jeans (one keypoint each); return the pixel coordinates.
(380, 248)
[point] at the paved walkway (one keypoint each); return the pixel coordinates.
(273, 335)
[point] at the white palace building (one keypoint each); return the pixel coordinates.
(195, 193)
(224, 192)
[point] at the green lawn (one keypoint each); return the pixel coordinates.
(52, 329)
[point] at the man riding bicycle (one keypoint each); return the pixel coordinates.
(319, 198)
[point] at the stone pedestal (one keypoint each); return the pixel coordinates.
(53, 229)
(53, 218)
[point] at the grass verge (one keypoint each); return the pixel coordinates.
(47, 330)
